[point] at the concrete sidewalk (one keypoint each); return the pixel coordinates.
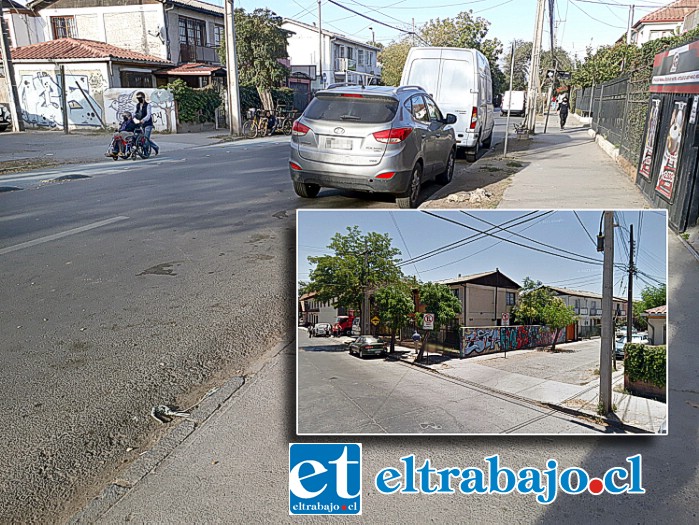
(634, 413)
(566, 168)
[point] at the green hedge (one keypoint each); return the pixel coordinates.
(195, 105)
(646, 363)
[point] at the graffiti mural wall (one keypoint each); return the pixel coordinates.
(40, 98)
(119, 100)
(490, 340)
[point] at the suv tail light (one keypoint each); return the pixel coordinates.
(474, 117)
(352, 95)
(393, 135)
(300, 129)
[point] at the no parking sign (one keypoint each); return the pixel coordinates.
(428, 322)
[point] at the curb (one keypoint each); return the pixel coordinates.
(553, 406)
(150, 460)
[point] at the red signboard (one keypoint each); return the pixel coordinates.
(677, 70)
(668, 168)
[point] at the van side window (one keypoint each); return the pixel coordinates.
(435, 114)
(419, 109)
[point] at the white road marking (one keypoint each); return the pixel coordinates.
(60, 235)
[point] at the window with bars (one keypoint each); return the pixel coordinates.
(510, 298)
(63, 27)
(136, 79)
(360, 57)
(192, 31)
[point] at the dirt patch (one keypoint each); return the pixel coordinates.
(481, 184)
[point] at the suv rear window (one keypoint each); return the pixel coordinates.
(367, 109)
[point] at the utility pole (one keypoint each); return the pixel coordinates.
(628, 28)
(365, 286)
(534, 68)
(606, 354)
(320, 47)
(12, 94)
(549, 96)
(64, 98)
(512, 74)
(232, 71)
(413, 33)
(629, 298)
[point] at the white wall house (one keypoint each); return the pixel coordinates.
(666, 21)
(312, 311)
(344, 59)
(180, 31)
(588, 307)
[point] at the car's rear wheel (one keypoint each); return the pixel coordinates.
(307, 191)
(411, 199)
(445, 178)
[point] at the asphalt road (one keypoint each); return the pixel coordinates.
(126, 290)
(342, 394)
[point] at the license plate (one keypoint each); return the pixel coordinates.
(335, 143)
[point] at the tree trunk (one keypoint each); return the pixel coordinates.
(393, 340)
(421, 353)
(266, 98)
(555, 338)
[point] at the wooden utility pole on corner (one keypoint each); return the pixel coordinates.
(366, 328)
(606, 350)
(630, 24)
(12, 94)
(232, 71)
(533, 89)
(64, 98)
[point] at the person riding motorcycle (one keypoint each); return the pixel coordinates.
(144, 116)
(124, 134)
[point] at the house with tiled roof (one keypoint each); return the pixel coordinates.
(657, 324)
(673, 19)
(85, 73)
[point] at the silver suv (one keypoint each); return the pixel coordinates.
(375, 139)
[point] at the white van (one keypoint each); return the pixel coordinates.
(514, 102)
(459, 80)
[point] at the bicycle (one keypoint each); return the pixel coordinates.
(285, 120)
(255, 125)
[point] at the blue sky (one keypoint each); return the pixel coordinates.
(415, 233)
(580, 22)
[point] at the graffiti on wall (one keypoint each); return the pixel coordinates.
(40, 98)
(162, 101)
(490, 340)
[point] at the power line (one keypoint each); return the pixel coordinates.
(462, 242)
(582, 261)
(403, 239)
(533, 240)
(590, 16)
(594, 243)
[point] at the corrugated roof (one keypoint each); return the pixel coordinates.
(74, 48)
(674, 12)
(580, 293)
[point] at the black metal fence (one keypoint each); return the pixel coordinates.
(587, 332)
(617, 109)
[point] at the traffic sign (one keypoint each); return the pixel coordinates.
(375, 321)
(428, 322)
(505, 319)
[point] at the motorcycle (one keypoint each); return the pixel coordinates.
(135, 146)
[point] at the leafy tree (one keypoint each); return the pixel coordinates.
(392, 59)
(395, 304)
(440, 301)
(523, 54)
(557, 315)
(651, 297)
(465, 30)
(538, 305)
(342, 277)
(260, 44)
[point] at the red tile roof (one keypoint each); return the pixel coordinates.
(74, 48)
(675, 12)
(195, 69)
(658, 310)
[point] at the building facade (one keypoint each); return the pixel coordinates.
(588, 307)
(673, 19)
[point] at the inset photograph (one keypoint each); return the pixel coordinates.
(462, 322)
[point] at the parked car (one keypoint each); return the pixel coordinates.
(459, 80)
(367, 345)
(321, 330)
(373, 139)
(343, 325)
(639, 338)
(5, 118)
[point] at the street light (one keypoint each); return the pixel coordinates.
(373, 42)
